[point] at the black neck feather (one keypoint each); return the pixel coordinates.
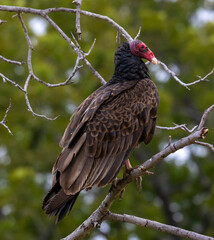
(127, 66)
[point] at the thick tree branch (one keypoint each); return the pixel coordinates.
(156, 226)
(101, 212)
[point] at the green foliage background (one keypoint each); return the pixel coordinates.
(181, 191)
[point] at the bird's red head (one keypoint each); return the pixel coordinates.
(140, 49)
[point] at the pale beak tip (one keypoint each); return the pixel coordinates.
(155, 61)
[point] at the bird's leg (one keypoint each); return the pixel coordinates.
(128, 165)
(128, 168)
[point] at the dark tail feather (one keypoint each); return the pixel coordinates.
(56, 202)
(66, 208)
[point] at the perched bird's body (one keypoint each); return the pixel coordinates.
(105, 129)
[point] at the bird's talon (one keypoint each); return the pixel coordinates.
(139, 183)
(149, 173)
(114, 184)
(121, 194)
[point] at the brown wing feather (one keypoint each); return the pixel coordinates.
(123, 131)
(79, 145)
(103, 132)
(89, 107)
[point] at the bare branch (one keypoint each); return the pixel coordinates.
(4, 78)
(204, 117)
(118, 38)
(174, 75)
(28, 102)
(138, 34)
(3, 121)
(30, 45)
(156, 226)
(92, 46)
(66, 82)
(31, 74)
(182, 126)
(59, 30)
(78, 28)
(204, 79)
(2, 21)
(44, 13)
(81, 55)
(186, 85)
(10, 61)
(205, 144)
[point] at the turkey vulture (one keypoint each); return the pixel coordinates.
(105, 129)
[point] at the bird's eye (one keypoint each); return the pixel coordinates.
(142, 46)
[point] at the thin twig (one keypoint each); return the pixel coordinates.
(28, 102)
(118, 38)
(173, 74)
(181, 126)
(78, 28)
(204, 117)
(4, 78)
(2, 21)
(10, 61)
(68, 40)
(204, 79)
(138, 34)
(92, 46)
(186, 85)
(3, 121)
(30, 69)
(205, 144)
(44, 13)
(30, 45)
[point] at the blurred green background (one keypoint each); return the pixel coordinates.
(181, 191)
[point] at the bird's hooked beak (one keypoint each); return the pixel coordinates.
(155, 61)
(148, 54)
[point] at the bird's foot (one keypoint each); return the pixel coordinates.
(128, 169)
(114, 184)
(139, 183)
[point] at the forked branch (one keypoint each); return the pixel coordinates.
(3, 121)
